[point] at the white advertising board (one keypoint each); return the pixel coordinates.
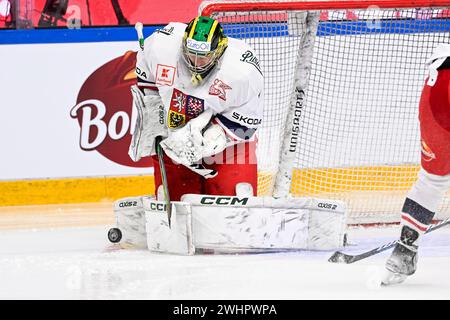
(65, 110)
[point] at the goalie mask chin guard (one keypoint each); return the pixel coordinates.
(203, 44)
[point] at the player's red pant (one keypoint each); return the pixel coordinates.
(434, 115)
(234, 165)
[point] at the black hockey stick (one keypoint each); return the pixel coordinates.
(339, 257)
(159, 151)
(162, 168)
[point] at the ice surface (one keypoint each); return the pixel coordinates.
(74, 263)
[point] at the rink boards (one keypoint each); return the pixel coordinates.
(66, 173)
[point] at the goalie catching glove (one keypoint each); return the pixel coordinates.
(188, 145)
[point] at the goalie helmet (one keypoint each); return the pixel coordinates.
(203, 44)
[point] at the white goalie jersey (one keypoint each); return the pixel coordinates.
(233, 90)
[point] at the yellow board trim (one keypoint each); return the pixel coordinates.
(305, 182)
(73, 190)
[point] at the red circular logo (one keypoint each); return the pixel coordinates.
(104, 111)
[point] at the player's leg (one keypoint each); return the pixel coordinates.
(180, 179)
(433, 180)
(236, 164)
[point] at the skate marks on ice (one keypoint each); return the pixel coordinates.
(72, 263)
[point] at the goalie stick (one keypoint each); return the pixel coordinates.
(339, 257)
(162, 168)
(139, 29)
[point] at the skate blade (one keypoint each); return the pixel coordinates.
(391, 278)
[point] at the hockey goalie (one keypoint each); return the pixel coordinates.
(199, 97)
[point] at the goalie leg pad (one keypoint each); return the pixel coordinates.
(130, 219)
(162, 238)
(267, 222)
(227, 223)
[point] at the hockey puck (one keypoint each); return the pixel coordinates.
(114, 235)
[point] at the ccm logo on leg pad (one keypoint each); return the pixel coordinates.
(224, 200)
(158, 206)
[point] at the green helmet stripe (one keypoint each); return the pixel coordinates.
(203, 28)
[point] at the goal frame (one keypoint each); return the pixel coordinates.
(207, 8)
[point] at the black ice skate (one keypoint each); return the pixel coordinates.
(403, 260)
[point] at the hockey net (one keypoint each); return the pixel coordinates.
(354, 86)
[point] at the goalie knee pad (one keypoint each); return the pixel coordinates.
(160, 193)
(244, 189)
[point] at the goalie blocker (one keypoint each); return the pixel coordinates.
(231, 223)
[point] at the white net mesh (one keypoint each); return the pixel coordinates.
(359, 134)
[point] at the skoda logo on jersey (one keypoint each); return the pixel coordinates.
(199, 46)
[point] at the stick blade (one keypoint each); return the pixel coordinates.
(339, 257)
